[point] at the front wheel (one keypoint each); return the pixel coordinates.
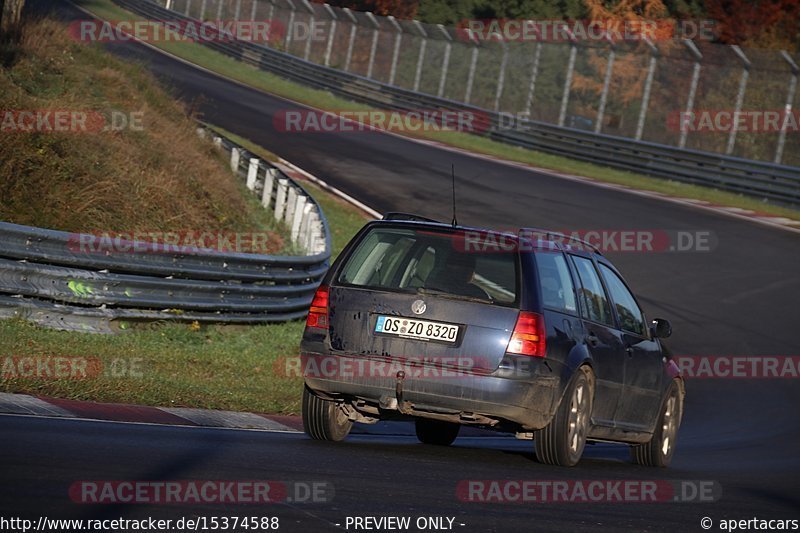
(658, 452)
(436, 432)
(562, 441)
(323, 419)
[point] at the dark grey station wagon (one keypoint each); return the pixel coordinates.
(532, 333)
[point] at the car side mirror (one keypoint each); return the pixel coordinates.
(661, 328)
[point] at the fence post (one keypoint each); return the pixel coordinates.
(787, 108)
(353, 30)
(219, 10)
(374, 46)
(692, 90)
(310, 35)
(501, 79)
(573, 51)
(269, 182)
(290, 27)
(601, 108)
(331, 35)
(253, 11)
(202, 16)
(534, 74)
(252, 173)
(398, 39)
(739, 95)
(188, 8)
(648, 84)
(168, 5)
(421, 57)
(237, 12)
(445, 60)
(235, 160)
(473, 63)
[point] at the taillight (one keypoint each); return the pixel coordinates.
(318, 312)
(529, 335)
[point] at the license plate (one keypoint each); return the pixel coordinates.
(417, 329)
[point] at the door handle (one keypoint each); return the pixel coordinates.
(629, 350)
(592, 339)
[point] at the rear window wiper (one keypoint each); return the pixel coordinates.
(433, 291)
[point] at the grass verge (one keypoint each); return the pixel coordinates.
(242, 72)
(214, 367)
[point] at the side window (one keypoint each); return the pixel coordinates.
(555, 282)
(593, 298)
(630, 316)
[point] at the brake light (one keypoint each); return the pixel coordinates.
(318, 312)
(529, 335)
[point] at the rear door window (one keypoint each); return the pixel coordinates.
(594, 302)
(423, 260)
(630, 316)
(555, 282)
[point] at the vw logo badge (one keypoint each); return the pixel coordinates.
(418, 307)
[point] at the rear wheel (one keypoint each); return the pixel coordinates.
(323, 419)
(562, 441)
(436, 431)
(658, 452)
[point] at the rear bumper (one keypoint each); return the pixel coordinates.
(526, 398)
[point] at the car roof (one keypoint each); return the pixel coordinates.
(561, 240)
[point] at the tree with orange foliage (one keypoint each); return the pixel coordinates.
(761, 24)
(402, 9)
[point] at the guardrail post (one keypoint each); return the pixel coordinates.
(501, 79)
(235, 160)
(168, 5)
(398, 39)
(692, 89)
(303, 236)
(601, 108)
(473, 63)
(421, 57)
(787, 108)
(269, 183)
(310, 37)
(352, 41)
(739, 96)
(445, 60)
(648, 84)
(218, 142)
(291, 204)
(280, 198)
(374, 46)
(290, 27)
(534, 74)
(297, 216)
(573, 51)
(252, 173)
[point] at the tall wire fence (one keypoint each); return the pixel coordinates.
(675, 92)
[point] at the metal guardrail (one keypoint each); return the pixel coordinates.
(48, 278)
(772, 182)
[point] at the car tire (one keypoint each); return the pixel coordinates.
(659, 451)
(323, 419)
(562, 441)
(436, 431)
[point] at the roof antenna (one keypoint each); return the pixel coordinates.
(453, 174)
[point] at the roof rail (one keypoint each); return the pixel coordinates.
(408, 216)
(564, 237)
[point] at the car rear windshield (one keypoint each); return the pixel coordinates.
(432, 262)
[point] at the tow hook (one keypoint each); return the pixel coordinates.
(402, 406)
